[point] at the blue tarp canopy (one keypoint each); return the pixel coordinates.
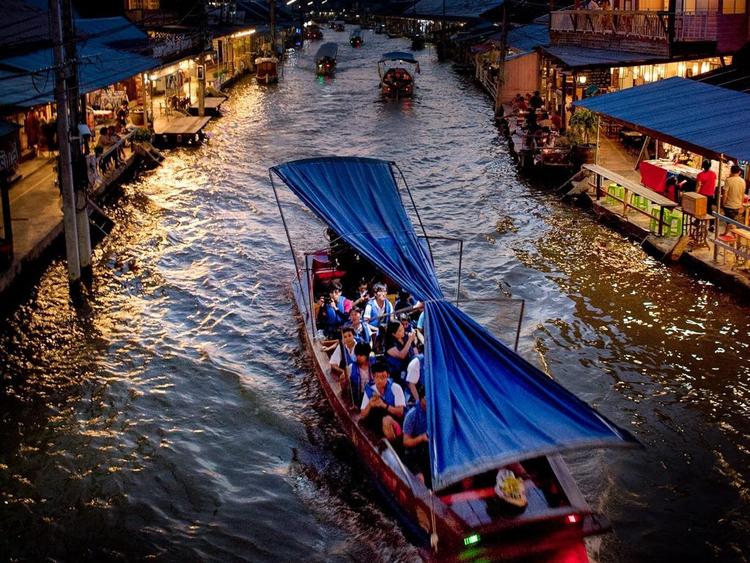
(327, 50)
(398, 56)
(706, 119)
(487, 406)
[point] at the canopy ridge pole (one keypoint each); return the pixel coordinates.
(460, 264)
(413, 204)
(286, 229)
(520, 322)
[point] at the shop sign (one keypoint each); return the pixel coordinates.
(8, 153)
(599, 77)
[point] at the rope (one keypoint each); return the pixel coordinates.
(433, 535)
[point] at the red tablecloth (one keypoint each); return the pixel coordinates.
(653, 177)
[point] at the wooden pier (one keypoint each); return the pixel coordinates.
(211, 106)
(184, 130)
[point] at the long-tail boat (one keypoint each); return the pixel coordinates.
(490, 413)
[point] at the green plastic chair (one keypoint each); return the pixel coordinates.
(640, 202)
(653, 225)
(611, 190)
(675, 223)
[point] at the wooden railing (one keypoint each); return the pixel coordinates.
(642, 24)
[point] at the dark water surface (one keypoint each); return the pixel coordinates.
(176, 417)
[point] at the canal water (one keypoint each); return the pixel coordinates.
(175, 416)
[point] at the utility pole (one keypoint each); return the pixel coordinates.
(202, 62)
(501, 71)
(65, 165)
(76, 112)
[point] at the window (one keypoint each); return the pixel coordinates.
(693, 6)
(733, 7)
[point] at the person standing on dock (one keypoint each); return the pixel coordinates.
(705, 184)
(734, 195)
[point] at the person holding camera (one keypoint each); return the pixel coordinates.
(383, 404)
(333, 310)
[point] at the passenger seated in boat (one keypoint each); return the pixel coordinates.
(378, 310)
(363, 295)
(414, 373)
(343, 354)
(406, 301)
(334, 310)
(362, 332)
(360, 372)
(416, 449)
(398, 349)
(383, 404)
(405, 321)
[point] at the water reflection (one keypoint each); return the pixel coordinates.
(178, 417)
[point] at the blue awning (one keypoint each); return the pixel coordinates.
(706, 119)
(487, 406)
(27, 80)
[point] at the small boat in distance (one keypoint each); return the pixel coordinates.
(355, 39)
(493, 484)
(325, 59)
(313, 33)
(396, 70)
(266, 69)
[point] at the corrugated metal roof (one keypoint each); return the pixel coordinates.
(100, 67)
(528, 37)
(456, 9)
(110, 31)
(699, 116)
(581, 57)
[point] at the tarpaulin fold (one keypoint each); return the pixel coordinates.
(487, 406)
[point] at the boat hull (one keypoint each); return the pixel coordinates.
(412, 500)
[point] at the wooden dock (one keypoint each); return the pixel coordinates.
(179, 130)
(211, 106)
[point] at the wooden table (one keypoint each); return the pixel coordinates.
(631, 188)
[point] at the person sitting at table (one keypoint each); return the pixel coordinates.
(672, 188)
(705, 184)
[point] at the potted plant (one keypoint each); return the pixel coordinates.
(582, 130)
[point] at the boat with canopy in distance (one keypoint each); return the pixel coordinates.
(325, 59)
(266, 70)
(495, 485)
(396, 70)
(355, 39)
